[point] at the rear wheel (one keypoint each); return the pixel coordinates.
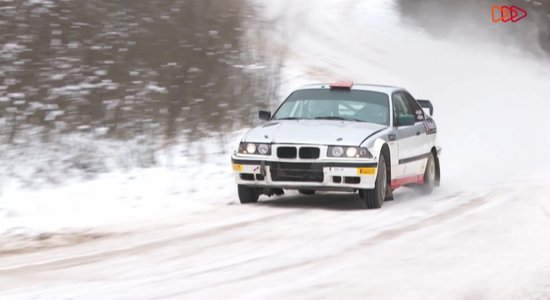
(307, 192)
(248, 194)
(374, 198)
(429, 176)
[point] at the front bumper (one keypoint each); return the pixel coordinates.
(299, 174)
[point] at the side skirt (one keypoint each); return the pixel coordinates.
(395, 183)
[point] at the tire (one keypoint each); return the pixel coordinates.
(430, 180)
(307, 192)
(374, 198)
(248, 194)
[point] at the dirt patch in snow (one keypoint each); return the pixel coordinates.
(24, 243)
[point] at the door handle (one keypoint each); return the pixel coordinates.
(418, 133)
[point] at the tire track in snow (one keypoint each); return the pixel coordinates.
(132, 250)
(381, 237)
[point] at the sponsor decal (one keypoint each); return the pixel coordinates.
(366, 171)
(430, 126)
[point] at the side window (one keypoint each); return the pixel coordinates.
(400, 106)
(418, 111)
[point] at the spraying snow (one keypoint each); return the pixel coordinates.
(489, 98)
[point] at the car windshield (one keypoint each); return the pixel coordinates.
(336, 104)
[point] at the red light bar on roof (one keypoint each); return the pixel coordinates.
(342, 85)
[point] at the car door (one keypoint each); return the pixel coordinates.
(425, 141)
(409, 137)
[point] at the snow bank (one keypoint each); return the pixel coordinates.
(177, 184)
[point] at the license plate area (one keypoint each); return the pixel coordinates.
(297, 172)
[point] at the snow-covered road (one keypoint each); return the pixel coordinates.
(486, 245)
(483, 235)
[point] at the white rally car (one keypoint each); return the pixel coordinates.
(361, 138)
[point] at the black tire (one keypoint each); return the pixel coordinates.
(374, 198)
(248, 194)
(430, 180)
(307, 192)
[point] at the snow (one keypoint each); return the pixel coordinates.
(176, 184)
(16, 95)
(139, 194)
(156, 88)
(12, 47)
(70, 89)
(474, 151)
(307, 250)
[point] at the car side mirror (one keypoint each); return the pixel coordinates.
(426, 104)
(406, 120)
(419, 115)
(264, 115)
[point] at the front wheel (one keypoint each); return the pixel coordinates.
(374, 198)
(248, 194)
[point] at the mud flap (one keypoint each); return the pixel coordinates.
(273, 191)
(437, 172)
(389, 195)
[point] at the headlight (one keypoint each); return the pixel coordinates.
(336, 151)
(263, 149)
(363, 152)
(352, 152)
(253, 148)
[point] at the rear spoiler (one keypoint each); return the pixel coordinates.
(426, 104)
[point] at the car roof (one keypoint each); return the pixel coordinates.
(357, 86)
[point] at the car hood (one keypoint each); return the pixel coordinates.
(324, 132)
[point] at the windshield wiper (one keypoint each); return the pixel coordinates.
(337, 118)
